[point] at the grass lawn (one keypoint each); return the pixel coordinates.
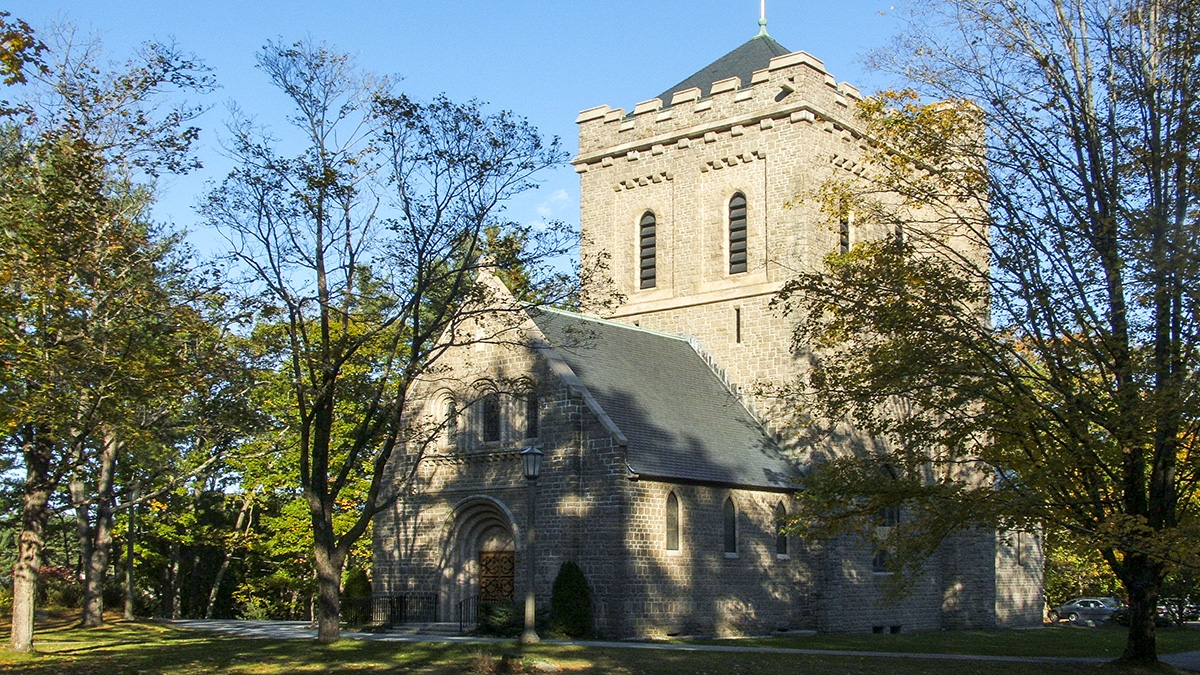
(155, 649)
(1060, 640)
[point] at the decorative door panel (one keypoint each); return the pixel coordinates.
(496, 576)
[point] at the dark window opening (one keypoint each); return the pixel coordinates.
(491, 418)
(888, 517)
(737, 324)
(781, 538)
(844, 235)
(647, 241)
(531, 416)
(737, 234)
(451, 422)
(879, 563)
(672, 522)
(730, 521)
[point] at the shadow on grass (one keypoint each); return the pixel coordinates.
(1055, 641)
(144, 649)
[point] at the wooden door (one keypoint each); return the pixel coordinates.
(496, 576)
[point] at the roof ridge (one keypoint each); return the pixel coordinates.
(741, 62)
(618, 324)
(732, 387)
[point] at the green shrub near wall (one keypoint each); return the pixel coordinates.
(571, 602)
(356, 584)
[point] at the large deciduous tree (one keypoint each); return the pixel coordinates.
(363, 248)
(81, 271)
(1033, 324)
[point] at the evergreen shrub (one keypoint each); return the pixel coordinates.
(571, 602)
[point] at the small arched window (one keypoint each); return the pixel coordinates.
(672, 522)
(737, 234)
(844, 226)
(647, 250)
(491, 418)
(531, 416)
(781, 538)
(729, 519)
(449, 421)
(885, 519)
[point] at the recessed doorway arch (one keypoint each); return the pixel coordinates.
(480, 547)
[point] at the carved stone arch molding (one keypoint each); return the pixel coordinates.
(479, 545)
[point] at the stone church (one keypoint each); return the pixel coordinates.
(664, 477)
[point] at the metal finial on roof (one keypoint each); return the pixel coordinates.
(762, 19)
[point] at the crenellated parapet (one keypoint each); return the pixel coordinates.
(794, 88)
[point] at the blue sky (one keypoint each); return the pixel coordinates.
(545, 60)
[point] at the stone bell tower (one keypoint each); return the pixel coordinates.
(696, 199)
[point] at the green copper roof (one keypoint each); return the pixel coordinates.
(754, 55)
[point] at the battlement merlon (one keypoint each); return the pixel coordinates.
(791, 82)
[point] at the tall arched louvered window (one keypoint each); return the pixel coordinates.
(647, 249)
(729, 520)
(737, 233)
(781, 539)
(672, 522)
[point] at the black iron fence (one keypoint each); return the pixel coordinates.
(387, 610)
(468, 613)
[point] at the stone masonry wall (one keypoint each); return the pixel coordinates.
(700, 589)
(775, 139)
(684, 164)
(581, 506)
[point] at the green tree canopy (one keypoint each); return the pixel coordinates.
(1024, 349)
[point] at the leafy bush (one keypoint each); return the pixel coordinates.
(59, 587)
(501, 619)
(571, 602)
(356, 584)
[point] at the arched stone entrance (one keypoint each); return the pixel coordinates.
(481, 555)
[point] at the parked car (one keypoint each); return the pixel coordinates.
(1121, 617)
(1087, 609)
(1178, 610)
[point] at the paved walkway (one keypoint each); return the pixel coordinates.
(303, 630)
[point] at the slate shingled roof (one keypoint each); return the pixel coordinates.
(754, 55)
(680, 420)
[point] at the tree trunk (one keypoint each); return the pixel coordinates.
(170, 605)
(1143, 580)
(129, 540)
(242, 522)
(100, 549)
(39, 484)
(97, 567)
(329, 597)
(83, 516)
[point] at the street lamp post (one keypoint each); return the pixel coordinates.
(531, 460)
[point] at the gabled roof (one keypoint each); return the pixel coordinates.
(754, 55)
(679, 419)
